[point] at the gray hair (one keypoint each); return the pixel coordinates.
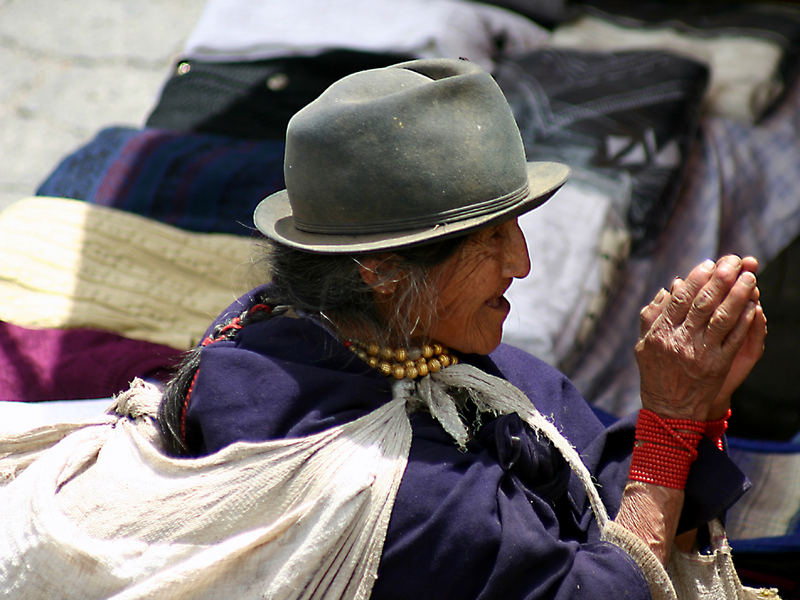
(331, 286)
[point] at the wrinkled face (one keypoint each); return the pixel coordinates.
(471, 285)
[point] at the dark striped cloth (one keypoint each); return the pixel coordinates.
(199, 182)
(631, 113)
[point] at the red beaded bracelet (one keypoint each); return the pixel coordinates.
(716, 429)
(664, 449)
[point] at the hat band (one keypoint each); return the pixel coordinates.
(449, 216)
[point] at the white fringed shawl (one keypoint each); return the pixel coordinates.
(96, 510)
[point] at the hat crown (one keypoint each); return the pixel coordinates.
(403, 147)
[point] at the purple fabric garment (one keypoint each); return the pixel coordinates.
(69, 364)
(505, 519)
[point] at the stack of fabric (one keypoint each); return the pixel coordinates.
(680, 121)
(91, 297)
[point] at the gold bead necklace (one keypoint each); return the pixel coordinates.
(402, 363)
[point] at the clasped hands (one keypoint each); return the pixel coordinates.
(699, 340)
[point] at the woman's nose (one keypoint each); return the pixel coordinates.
(517, 262)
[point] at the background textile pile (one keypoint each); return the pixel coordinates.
(174, 115)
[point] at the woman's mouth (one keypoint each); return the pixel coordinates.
(497, 303)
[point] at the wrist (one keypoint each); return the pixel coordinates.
(665, 408)
(664, 450)
(715, 428)
(720, 409)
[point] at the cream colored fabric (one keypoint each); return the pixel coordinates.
(66, 263)
(712, 576)
(578, 247)
(103, 513)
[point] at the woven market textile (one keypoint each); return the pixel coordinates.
(66, 263)
(579, 245)
(740, 196)
(631, 114)
(745, 70)
(306, 518)
(768, 517)
(75, 363)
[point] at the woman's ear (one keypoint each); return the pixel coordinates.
(379, 272)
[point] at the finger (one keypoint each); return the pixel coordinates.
(741, 330)
(684, 292)
(649, 314)
(750, 263)
(676, 285)
(714, 292)
(757, 334)
(758, 330)
(726, 316)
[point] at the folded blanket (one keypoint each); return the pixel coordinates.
(578, 246)
(764, 525)
(206, 183)
(740, 195)
(66, 263)
(774, 21)
(746, 68)
(67, 364)
(254, 98)
(242, 30)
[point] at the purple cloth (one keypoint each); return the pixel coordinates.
(506, 518)
(71, 364)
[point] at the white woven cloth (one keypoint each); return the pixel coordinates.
(96, 510)
(104, 514)
(243, 30)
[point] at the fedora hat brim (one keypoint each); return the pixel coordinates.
(273, 218)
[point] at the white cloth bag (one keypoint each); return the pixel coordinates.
(103, 513)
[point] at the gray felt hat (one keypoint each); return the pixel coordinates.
(402, 155)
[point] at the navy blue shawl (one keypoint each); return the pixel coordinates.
(505, 519)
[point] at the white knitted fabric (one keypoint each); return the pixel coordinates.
(66, 263)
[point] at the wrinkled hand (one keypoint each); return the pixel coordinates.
(699, 341)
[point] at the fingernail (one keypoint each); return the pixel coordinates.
(748, 278)
(733, 261)
(660, 295)
(707, 265)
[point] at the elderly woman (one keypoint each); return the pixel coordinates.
(389, 254)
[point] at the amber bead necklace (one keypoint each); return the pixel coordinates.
(402, 363)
